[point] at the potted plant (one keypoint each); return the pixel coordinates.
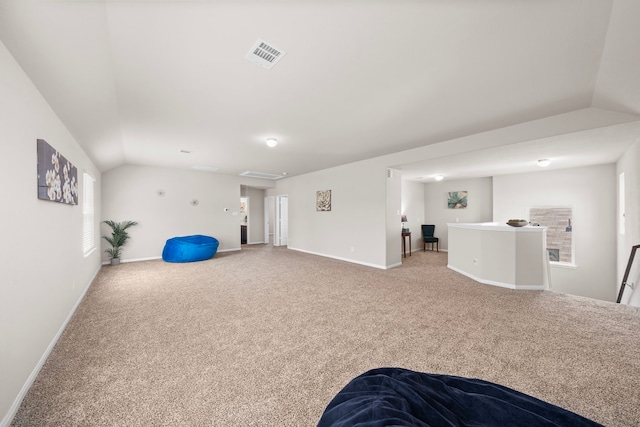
(118, 238)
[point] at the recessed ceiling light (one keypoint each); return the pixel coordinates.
(272, 142)
(285, 173)
(439, 177)
(543, 163)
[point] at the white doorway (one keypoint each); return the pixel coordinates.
(244, 220)
(282, 221)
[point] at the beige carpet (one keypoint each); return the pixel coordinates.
(267, 336)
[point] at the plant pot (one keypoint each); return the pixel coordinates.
(115, 261)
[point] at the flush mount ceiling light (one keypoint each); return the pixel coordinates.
(543, 163)
(272, 142)
(439, 177)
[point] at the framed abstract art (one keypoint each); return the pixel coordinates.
(323, 201)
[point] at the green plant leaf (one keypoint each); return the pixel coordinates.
(119, 236)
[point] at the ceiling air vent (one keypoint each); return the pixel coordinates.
(265, 54)
(260, 175)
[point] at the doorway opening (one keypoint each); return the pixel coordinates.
(244, 220)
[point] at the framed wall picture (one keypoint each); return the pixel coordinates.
(457, 200)
(57, 177)
(323, 201)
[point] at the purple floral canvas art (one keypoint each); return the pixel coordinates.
(57, 177)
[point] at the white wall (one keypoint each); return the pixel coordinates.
(413, 207)
(436, 211)
(355, 228)
(43, 271)
(591, 191)
(131, 193)
(630, 164)
(256, 215)
(393, 198)
(617, 86)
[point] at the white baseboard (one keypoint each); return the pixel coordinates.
(123, 261)
(229, 250)
(382, 267)
(27, 385)
(500, 284)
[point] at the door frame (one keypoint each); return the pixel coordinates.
(267, 215)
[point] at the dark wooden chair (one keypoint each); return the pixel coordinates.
(427, 237)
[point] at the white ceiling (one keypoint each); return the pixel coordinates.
(137, 81)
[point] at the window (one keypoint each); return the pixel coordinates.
(88, 240)
(559, 231)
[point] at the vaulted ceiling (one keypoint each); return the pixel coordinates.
(139, 81)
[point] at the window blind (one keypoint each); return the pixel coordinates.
(88, 232)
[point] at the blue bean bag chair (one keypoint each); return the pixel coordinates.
(190, 248)
(400, 397)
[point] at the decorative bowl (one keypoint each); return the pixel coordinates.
(517, 223)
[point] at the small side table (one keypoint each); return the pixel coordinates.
(406, 234)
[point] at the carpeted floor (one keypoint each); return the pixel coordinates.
(267, 336)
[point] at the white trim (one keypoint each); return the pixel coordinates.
(90, 251)
(88, 214)
(34, 374)
(140, 259)
(494, 226)
(279, 231)
(621, 204)
(382, 267)
(558, 264)
(501, 284)
(123, 261)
